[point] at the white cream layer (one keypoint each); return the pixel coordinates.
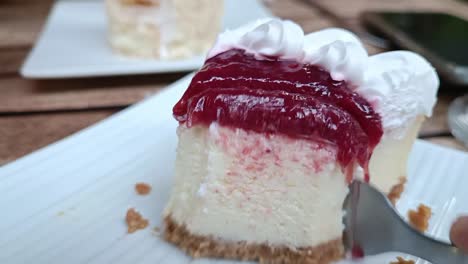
(401, 85)
(245, 186)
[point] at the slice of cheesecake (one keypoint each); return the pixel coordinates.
(272, 130)
(164, 29)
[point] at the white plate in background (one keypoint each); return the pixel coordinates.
(66, 203)
(74, 43)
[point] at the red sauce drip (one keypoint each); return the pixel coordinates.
(282, 96)
(357, 252)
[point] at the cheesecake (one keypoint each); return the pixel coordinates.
(274, 127)
(163, 29)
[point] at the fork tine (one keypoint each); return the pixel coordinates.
(373, 225)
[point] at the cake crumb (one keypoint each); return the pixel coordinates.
(401, 260)
(396, 191)
(135, 221)
(420, 219)
(142, 188)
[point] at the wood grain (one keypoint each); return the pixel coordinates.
(437, 124)
(22, 134)
(11, 59)
(22, 95)
(21, 21)
(310, 18)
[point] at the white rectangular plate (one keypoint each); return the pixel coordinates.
(67, 202)
(74, 43)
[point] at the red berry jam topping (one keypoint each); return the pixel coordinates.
(282, 96)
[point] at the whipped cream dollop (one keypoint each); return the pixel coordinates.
(264, 38)
(401, 85)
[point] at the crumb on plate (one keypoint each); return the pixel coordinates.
(420, 219)
(135, 221)
(142, 188)
(396, 191)
(401, 260)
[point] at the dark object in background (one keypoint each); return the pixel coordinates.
(440, 38)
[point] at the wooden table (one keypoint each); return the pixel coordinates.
(34, 114)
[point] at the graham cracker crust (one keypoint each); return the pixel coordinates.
(205, 246)
(395, 192)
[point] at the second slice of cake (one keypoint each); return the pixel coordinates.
(163, 29)
(272, 130)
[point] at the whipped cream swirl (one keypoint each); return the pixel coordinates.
(401, 85)
(264, 38)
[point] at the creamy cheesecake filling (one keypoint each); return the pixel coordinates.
(389, 160)
(239, 185)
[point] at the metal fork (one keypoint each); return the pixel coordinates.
(458, 118)
(372, 226)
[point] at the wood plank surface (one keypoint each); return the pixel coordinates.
(21, 21)
(437, 124)
(11, 59)
(22, 134)
(22, 95)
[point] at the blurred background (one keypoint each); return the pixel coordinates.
(35, 112)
